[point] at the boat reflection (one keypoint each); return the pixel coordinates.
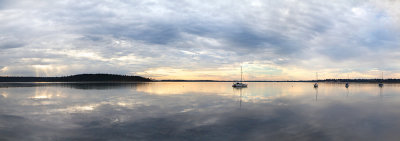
(316, 93)
(240, 89)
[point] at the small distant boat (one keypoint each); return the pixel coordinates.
(381, 83)
(316, 83)
(347, 83)
(240, 84)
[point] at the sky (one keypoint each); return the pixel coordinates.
(195, 39)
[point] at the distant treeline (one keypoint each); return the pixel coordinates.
(325, 80)
(363, 80)
(77, 78)
(128, 78)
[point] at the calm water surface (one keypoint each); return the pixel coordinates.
(198, 111)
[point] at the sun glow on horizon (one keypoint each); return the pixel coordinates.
(251, 72)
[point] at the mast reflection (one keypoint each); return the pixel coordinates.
(240, 95)
(316, 93)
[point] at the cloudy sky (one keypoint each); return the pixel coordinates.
(271, 39)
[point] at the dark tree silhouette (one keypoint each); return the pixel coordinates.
(78, 78)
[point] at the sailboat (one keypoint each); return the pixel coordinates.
(240, 84)
(347, 83)
(316, 83)
(381, 83)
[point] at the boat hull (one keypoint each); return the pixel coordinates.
(239, 85)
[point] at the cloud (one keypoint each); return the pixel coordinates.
(389, 6)
(9, 43)
(305, 35)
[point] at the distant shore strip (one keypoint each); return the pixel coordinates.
(129, 78)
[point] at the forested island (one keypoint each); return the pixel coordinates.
(78, 78)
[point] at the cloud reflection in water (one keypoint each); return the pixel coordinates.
(122, 113)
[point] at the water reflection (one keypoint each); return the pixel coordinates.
(316, 93)
(172, 88)
(75, 85)
(198, 111)
(4, 94)
(240, 89)
(240, 103)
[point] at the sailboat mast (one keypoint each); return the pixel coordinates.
(316, 74)
(241, 74)
(382, 76)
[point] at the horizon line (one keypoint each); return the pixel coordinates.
(308, 80)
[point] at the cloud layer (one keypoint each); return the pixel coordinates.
(200, 40)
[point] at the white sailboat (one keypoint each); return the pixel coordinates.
(240, 84)
(381, 83)
(316, 83)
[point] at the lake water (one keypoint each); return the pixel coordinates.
(201, 111)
